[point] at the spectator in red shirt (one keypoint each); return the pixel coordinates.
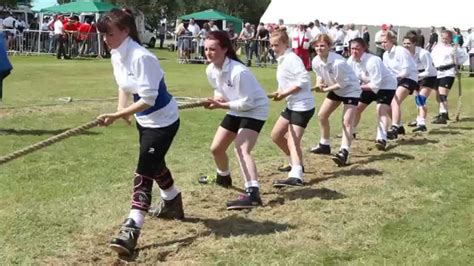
(84, 30)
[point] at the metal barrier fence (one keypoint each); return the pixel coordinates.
(75, 44)
(191, 50)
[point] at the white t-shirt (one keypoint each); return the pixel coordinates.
(58, 27)
(400, 63)
(424, 63)
(194, 29)
(443, 55)
(291, 72)
(239, 87)
(138, 71)
(371, 71)
(336, 70)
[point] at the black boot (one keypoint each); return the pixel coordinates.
(341, 158)
(321, 149)
(249, 200)
(392, 133)
(169, 209)
(221, 180)
(124, 244)
(420, 128)
(381, 144)
(441, 119)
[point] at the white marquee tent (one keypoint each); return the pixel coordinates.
(409, 13)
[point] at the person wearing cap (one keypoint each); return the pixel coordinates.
(300, 42)
(378, 40)
(402, 65)
(335, 76)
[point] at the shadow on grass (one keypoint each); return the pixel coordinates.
(461, 128)
(467, 119)
(422, 141)
(384, 156)
(233, 225)
(38, 132)
(349, 172)
(446, 131)
(305, 194)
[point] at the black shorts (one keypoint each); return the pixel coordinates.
(234, 123)
(382, 97)
(446, 82)
(154, 144)
(429, 82)
(408, 84)
(299, 118)
(346, 100)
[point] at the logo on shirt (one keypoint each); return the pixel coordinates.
(130, 74)
(229, 83)
(151, 150)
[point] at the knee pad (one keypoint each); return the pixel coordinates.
(164, 179)
(141, 198)
(420, 100)
(443, 98)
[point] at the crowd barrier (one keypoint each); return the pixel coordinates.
(191, 50)
(45, 42)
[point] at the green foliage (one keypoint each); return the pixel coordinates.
(248, 10)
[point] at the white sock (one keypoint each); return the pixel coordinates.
(289, 160)
(223, 173)
(420, 121)
(251, 183)
(170, 193)
(138, 216)
(381, 133)
(347, 148)
(296, 172)
(442, 109)
(325, 141)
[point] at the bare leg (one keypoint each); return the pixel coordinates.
(360, 108)
(348, 115)
(327, 108)
(244, 143)
(279, 135)
(400, 95)
(222, 139)
(295, 134)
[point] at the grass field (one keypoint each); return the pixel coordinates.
(412, 204)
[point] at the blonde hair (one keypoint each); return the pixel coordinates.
(281, 35)
(323, 37)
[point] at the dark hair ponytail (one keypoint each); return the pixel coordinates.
(224, 42)
(123, 19)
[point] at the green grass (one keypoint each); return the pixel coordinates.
(412, 204)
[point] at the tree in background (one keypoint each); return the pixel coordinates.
(154, 10)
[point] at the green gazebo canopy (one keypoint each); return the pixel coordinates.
(212, 14)
(80, 7)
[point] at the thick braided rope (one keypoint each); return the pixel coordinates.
(70, 133)
(49, 141)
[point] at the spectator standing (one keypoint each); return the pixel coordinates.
(433, 39)
(366, 35)
(162, 34)
(470, 49)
